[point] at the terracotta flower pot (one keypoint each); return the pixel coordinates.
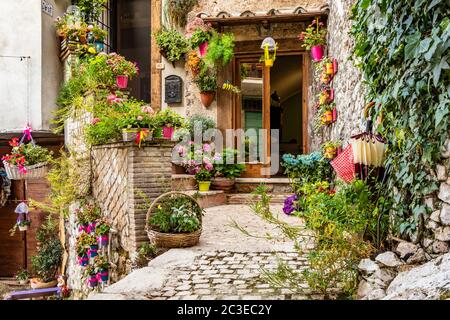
(334, 114)
(317, 52)
(225, 184)
(335, 66)
(327, 117)
(207, 98)
(330, 152)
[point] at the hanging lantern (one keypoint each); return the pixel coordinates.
(269, 45)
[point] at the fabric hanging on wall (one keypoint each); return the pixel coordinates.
(5, 187)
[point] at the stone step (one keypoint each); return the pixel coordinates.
(183, 182)
(208, 199)
(248, 198)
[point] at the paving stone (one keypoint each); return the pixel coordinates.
(203, 292)
(183, 288)
(230, 297)
(183, 293)
(208, 297)
(191, 297)
(225, 271)
(202, 286)
(216, 281)
(251, 298)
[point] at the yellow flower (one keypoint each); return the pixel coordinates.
(92, 50)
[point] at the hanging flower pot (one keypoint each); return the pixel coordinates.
(99, 46)
(335, 66)
(329, 68)
(103, 240)
(103, 275)
(91, 227)
(167, 132)
(82, 38)
(83, 227)
(202, 48)
(324, 96)
(327, 117)
(122, 82)
(92, 281)
(317, 53)
(23, 227)
(93, 251)
(330, 152)
(334, 114)
(331, 96)
(83, 260)
(207, 98)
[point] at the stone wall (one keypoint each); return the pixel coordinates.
(347, 84)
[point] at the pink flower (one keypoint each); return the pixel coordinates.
(147, 109)
(208, 166)
(95, 121)
(206, 147)
(191, 143)
(140, 118)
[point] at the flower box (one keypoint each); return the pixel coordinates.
(129, 135)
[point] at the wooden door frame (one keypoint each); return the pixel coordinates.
(236, 101)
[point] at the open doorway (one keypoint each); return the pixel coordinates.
(285, 88)
(286, 102)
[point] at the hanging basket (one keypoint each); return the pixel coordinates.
(173, 240)
(35, 171)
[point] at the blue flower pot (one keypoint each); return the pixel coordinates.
(93, 251)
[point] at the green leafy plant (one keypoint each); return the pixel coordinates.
(102, 227)
(46, 262)
(306, 168)
(203, 175)
(98, 33)
(172, 44)
(22, 275)
(200, 123)
(90, 270)
(199, 37)
(26, 154)
(91, 9)
(207, 80)
(227, 166)
(147, 250)
(170, 118)
(101, 263)
(176, 215)
(220, 49)
(405, 64)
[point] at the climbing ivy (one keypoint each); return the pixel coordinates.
(401, 47)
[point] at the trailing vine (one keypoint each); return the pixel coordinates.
(401, 46)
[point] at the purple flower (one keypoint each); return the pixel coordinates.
(290, 205)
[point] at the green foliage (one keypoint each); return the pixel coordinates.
(102, 227)
(228, 166)
(178, 10)
(91, 9)
(22, 274)
(198, 37)
(207, 80)
(200, 123)
(176, 215)
(46, 262)
(306, 168)
(220, 49)
(172, 44)
(404, 57)
(170, 118)
(345, 229)
(147, 250)
(203, 175)
(101, 263)
(314, 35)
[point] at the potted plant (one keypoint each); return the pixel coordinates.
(82, 246)
(99, 36)
(83, 223)
(26, 161)
(91, 275)
(203, 178)
(46, 262)
(194, 63)
(22, 276)
(329, 149)
(172, 44)
(167, 121)
(199, 39)
(226, 170)
(314, 38)
(102, 266)
(207, 84)
(122, 69)
(23, 224)
(102, 232)
(174, 220)
(91, 241)
(327, 113)
(199, 124)
(220, 49)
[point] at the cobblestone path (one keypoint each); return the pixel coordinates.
(225, 265)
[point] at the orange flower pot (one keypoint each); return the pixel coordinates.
(329, 68)
(207, 98)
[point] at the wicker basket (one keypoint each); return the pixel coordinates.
(35, 171)
(173, 240)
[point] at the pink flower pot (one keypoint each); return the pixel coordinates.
(122, 82)
(335, 66)
(203, 48)
(167, 132)
(102, 240)
(334, 114)
(317, 53)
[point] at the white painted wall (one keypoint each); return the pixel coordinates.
(28, 96)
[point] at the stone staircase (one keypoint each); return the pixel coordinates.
(278, 189)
